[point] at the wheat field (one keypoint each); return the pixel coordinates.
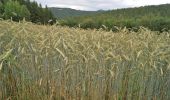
(39, 62)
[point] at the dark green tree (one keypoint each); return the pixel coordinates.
(48, 16)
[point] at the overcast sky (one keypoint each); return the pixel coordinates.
(100, 4)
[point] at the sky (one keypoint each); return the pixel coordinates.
(93, 5)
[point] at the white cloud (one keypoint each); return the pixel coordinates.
(145, 2)
(100, 4)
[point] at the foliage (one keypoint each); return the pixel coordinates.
(19, 9)
(60, 63)
(153, 17)
(15, 11)
(1, 9)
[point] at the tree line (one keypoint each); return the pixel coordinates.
(30, 10)
(156, 18)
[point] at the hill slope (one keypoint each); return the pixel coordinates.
(68, 12)
(153, 17)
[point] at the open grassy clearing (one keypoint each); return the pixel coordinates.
(60, 63)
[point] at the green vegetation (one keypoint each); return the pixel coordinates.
(16, 11)
(31, 11)
(156, 18)
(61, 63)
(61, 13)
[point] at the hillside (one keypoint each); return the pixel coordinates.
(153, 17)
(39, 62)
(68, 12)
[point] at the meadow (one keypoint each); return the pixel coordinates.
(42, 62)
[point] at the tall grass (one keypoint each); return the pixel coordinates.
(60, 63)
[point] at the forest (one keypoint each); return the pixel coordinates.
(63, 13)
(156, 18)
(30, 10)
